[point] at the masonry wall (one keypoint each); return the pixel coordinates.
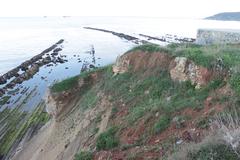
(207, 37)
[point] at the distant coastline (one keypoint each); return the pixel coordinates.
(225, 16)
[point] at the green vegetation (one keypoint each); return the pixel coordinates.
(156, 92)
(19, 123)
(150, 48)
(214, 152)
(84, 155)
(89, 99)
(66, 84)
(107, 140)
(201, 55)
(208, 56)
(203, 123)
(114, 111)
(147, 93)
(4, 100)
(235, 83)
(162, 124)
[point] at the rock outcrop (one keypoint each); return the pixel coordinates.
(180, 68)
(138, 60)
(186, 70)
(121, 65)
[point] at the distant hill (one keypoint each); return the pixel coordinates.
(226, 16)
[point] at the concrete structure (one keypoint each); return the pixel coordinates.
(217, 36)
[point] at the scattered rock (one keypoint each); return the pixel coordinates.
(180, 141)
(54, 53)
(57, 50)
(49, 65)
(60, 60)
(91, 66)
(2, 80)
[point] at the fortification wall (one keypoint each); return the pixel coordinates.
(211, 36)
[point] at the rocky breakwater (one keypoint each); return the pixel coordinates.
(120, 35)
(27, 69)
(180, 69)
(168, 38)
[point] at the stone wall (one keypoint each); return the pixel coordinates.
(212, 36)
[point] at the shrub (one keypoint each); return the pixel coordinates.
(84, 155)
(214, 152)
(162, 124)
(66, 84)
(107, 140)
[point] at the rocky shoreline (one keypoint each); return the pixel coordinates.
(30, 67)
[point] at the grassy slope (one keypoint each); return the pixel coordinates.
(145, 96)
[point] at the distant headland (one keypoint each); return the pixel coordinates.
(225, 16)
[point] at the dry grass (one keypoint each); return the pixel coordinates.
(229, 128)
(225, 131)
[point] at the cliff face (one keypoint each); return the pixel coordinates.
(142, 107)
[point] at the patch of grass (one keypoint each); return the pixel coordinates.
(201, 55)
(65, 85)
(114, 111)
(150, 48)
(89, 99)
(214, 152)
(162, 124)
(107, 140)
(195, 53)
(203, 123)
(155, 92)
(4, 100)
(84, 155)
(180, 120)
(235, 83)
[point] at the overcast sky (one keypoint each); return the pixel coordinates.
(147, 8)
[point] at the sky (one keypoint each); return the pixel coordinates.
(143, 8)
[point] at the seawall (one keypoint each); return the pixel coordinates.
(217, 36)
